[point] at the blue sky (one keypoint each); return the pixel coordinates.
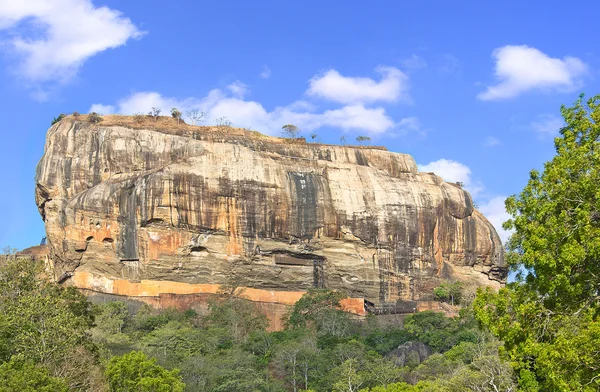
(471, 89)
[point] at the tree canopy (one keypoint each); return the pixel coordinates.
(549, 317)
(134, 371)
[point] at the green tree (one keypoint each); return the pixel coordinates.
(450, 292)
(135, 372)
(240, 318)
(312, 307)
(173, 342)
(549, 317)
(111, 317)
(46, 324)
(94, 118)
(295, 360)
(27, 377)
(396, 387)
(437, 330)
(57, 119)
(176, 114)
(349, 377)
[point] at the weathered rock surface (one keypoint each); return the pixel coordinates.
(412, 353)
(160, 202)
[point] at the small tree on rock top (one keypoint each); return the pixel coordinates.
(291, 131)
(155, 112)
(195, 116)
(223, 124)
(363, 139)
(176, 114)
(94, 118)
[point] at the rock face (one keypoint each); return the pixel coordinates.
(413, 353)
(152, 201)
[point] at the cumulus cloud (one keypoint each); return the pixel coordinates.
(495, 212)
(244, 113)
(238, 89)
(453, 171)
(547, 125)
(102, 109)
(52, 39)
(522, 68)
(493, 209)
(333, 86)
(410, 125)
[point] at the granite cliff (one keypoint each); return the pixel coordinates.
(142, 207)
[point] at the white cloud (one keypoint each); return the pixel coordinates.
(453, 171)
(331, 85)
(251, 114)
(52, 39)
(495, 212)
(265, 73)
(547, 125)
(410, 125)
(232, 104)
(522, 68)
(414, 62)
(491, 141)
(238, 89)
(102, 109)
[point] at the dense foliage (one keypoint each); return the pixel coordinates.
(45, 340)
(549, 318)
(52, 338)
(136, 372)
(322, 348)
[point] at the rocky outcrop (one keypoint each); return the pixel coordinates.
(410, 353)
(159, 203)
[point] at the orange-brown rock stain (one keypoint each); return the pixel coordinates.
(272, 303)
(228, 220)
(163, 242)
(437, 250)
(96, 233)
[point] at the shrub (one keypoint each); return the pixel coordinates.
(15, 376)
(363, 139)
(94, 118)
(138, 117)
(57, 119)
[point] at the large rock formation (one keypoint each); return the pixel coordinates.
(143, 206)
